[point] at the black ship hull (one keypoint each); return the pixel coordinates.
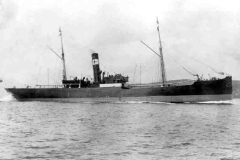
(199, 91)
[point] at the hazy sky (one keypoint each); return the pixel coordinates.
(208, 31)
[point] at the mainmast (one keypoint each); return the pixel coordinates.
(63, 59)
(164, 76)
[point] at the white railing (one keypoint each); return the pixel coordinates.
(49, 86)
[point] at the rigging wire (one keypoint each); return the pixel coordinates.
(158, 74)
(57, 56)
(221, 73)
(172, 58)
(38, 74)
(183, 67)
(134, 74)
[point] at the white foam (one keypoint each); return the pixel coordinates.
(7, 98)
(217, 102)
(141, 102)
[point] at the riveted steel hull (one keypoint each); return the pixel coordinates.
(197, 92)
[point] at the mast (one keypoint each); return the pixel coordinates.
(164, 76)
(63, 59)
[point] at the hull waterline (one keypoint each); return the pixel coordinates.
(217, 90)
(167, 99)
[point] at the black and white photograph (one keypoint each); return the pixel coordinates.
(120, 79)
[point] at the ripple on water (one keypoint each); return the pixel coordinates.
(52, 130)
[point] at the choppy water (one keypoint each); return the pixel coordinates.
(51, 130)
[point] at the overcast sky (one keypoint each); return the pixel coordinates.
(208, 31)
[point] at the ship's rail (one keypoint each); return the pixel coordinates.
(49, 86)
(188, 82)
(144, 85)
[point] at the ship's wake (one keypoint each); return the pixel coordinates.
(111, 102)
(228, 102)
(128, 102)
(7, 98)
(134, 102)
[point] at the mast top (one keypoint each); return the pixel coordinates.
(60, 34)
(160, 42)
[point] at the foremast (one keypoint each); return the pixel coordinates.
(164, 76)
(63, 59)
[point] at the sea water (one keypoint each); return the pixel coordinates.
(53, 130)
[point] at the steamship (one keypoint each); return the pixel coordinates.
(115, 88)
